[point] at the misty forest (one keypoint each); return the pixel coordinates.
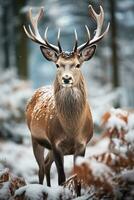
(88, 156)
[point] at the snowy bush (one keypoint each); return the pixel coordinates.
(107, 172)
(9, 184)
(14, 94)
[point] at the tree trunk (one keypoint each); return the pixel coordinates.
(21, 44)
(114, 59)
(5, 35)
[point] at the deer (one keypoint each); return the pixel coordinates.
(59, 116)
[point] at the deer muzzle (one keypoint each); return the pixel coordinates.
(67, 80)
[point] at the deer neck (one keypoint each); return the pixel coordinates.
(70, 104)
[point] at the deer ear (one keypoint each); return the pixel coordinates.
(88, 52)
(49, 54)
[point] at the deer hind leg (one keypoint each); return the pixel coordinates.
(59, 161)
(48, 162)
(39, 156)
(80, 151)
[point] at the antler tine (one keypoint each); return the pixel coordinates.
(35, 36)
(45, 35)
(98, 36)
(99, 19)
(34, 23)
(27, 33)
(101, 36)
(88, 33)
(32, 36)
(76, 41)
(34, 20)
(88, 39)
(58, 41)
(55, 48)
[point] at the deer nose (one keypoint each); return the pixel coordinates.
(66, 79)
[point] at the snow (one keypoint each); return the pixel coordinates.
(5, 192)
(17, 154)
(129, 137)
(131, 121)
(119, 111)
(99, 148)
(107, 98)
(26, 165)
(116, 123)
(6, 170)
(14, 94)
(128, 175)
(116, 120)
(39, 192)
(98, 169)
(118, 147)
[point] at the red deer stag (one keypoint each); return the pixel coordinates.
(59, 116)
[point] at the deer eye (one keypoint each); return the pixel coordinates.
(78, 66)
(57, 66)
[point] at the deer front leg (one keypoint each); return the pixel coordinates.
(59, 161)
(79, 151)
(39, 156)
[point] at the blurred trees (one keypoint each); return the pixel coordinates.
(109, 67)
(13, 44)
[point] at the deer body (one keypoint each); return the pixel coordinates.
(59, 116)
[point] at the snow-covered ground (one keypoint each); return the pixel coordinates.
(26, 166)
(106, 170)
(100, 164)
(21, 162)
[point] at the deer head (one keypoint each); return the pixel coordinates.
(68, 63)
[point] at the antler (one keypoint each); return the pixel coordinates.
(34, 34)
(98, 36)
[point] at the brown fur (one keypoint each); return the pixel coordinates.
(60, 118)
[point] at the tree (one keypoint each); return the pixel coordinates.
(13, 42)
(114, 59)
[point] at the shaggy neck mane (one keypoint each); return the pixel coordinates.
(70, 103)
